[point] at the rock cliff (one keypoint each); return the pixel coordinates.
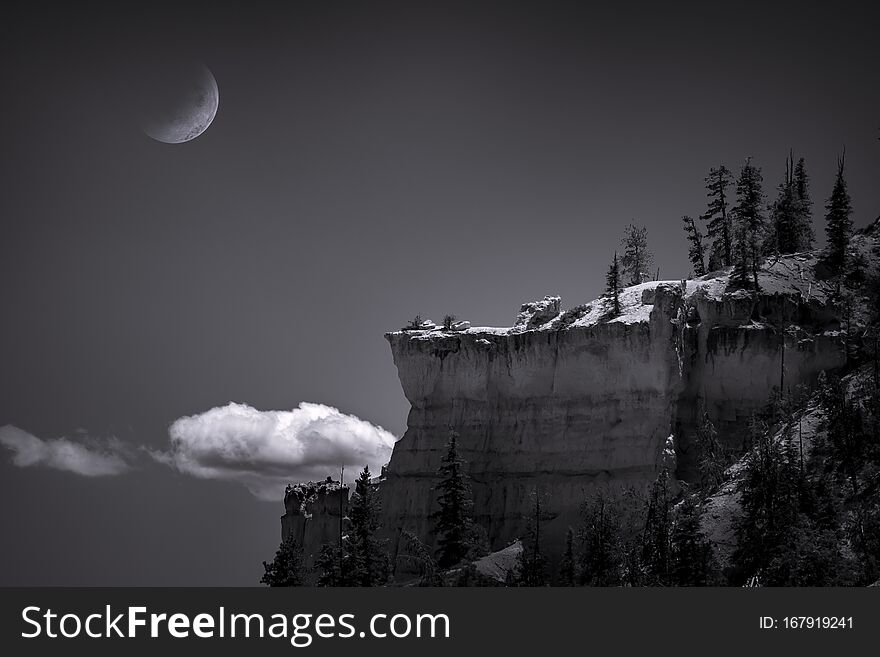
(313, 514)
(566, 400)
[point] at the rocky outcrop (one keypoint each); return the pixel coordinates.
(565, 401)
(313, 514)
(555, 410)
(537, 313)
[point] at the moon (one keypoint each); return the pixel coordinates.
(182, 106)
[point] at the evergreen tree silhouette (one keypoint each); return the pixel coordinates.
(717, 216)
(749, 221)
(691, 561)
(601, 543)
(656, 545)
(696, 252)
(712, 459)
(368, 553)
(838, 225)
(454, 520)
(287, 567)
(806, 236)
(533, 561)
(612, 286)
(567, 574)
(637, 258)
(791, 230)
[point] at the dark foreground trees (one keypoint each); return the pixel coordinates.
(600, 561)
(568, 564)
(691, 561)
(369, 554)
(788, 534)
(811, 514)
(360, 558)
(711, 455)
(629, 538)
(287, 568)
(459, 538)
(532, 562)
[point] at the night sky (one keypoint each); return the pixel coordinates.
(369, 161)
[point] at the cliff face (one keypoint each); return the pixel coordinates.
(562, 402)
(313, 513)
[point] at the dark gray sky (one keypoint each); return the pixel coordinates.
(368, 161)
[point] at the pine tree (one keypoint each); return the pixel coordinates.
(741, 274)
(612, 286)
(791, 229)
(804, 213)
(749, 220)
(691, 561)
(367, 552)
(850, 456)
(637, 258)
(712, 460)
(567, 565)
(846, 437)
(420, 553)
(454, 521)
(784, 231)
(696, 252)
(600, 538)
(533, 561)
(769, 499)
(633, 508)
(719, 226)
(838, 225)
(802, 185)
(656, 545)
(333, 566)
(287, 568)
(856, 271)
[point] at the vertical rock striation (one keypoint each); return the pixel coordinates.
(562, 402)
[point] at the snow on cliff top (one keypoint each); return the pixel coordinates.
(788, 275)
(636, 304)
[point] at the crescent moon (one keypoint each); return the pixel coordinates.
(188, 112)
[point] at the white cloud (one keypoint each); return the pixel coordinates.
(266, 450)
(93, 459)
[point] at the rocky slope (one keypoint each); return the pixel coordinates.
(719, 512)
(565, 401)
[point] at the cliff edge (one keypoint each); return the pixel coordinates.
(564, 401)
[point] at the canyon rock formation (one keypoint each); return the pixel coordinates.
(565, 401)
(568, 400)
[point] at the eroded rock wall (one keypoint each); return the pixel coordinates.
(313, 514)
(557, 411)
(736, 351)
(560, 410)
